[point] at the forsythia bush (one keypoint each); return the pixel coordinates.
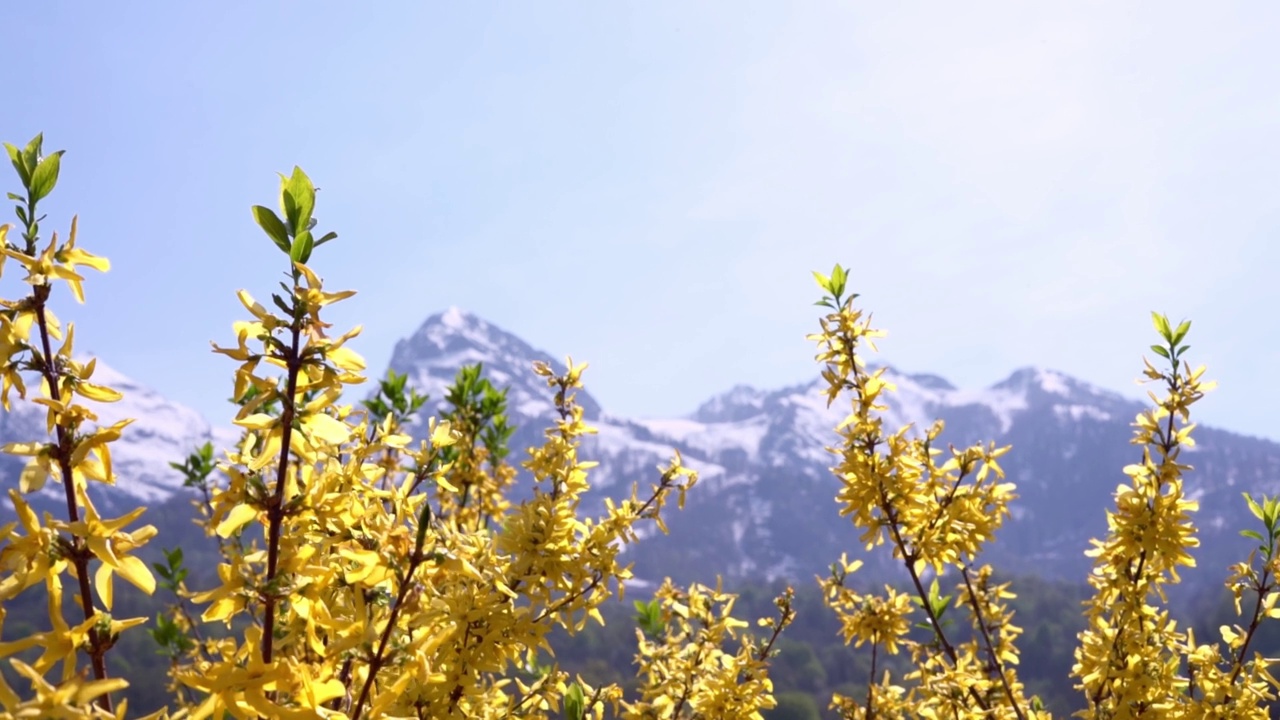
(366, 576)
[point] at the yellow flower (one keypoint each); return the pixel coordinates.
(36, 472)
(112, 546)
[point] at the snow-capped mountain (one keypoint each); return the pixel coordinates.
(447, 341)
(764, 505)
(432, 356)
(161, 432)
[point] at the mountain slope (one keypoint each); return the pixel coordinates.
(161, 432)
(764, 506)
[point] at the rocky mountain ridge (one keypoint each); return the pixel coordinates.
(764, 505)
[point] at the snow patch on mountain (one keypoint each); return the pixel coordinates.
(1076, 412)
(448, 340)
(713, 438)
(762, 507)
(162, 432)
(741, 402)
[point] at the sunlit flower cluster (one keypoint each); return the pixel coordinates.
(368, 575)
(1132, 661)
(36, 551)
(936, 515)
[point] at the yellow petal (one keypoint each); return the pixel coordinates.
(327, 429)
(100, 393)
(23, 448)
(77, 256)
(442, 435)
(327, 690)
(257, 421)
(251, 305)
(136, 572)
(94, 688)
(102, 582)
(346, 359)
(33, 476)
(239, 516)
(367, 560)
(270, 451)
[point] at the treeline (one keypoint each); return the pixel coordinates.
(812, 663)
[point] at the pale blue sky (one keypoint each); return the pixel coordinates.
(647, 185)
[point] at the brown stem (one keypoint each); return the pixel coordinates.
(871, 682)
(275, 512)
(556, 606)
(455, 695)
(688, 685)
(195, 629)
(1166, 444)
(344, 676)
(908, 556)
(80, 554)
(909, 561)
(783, 620)
(663, 485)
(991, 652)
(375, 663)
(1254, 622)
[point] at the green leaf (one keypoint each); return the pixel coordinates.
(302, 247)
(1253, 506)
(1160, 350)
(1181, 332)
(287, 208)
(32, 150)
(280, 303)
(1253, 534)
(838, 278)
(574, 703)
(424, 522)
(301, 200)
(271, 224)
(16, 197)
(15, 156)
(327, 237)
(1162, 325)
(29, 155)
(649, 617)
(824, 282)
(45, 176)
(826, 303)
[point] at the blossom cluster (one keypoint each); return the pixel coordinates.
(364, 574)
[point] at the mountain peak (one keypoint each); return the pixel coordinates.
(740, 402)
(454, 337)
(1044, 381)
(456, 318)
(454, 322)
